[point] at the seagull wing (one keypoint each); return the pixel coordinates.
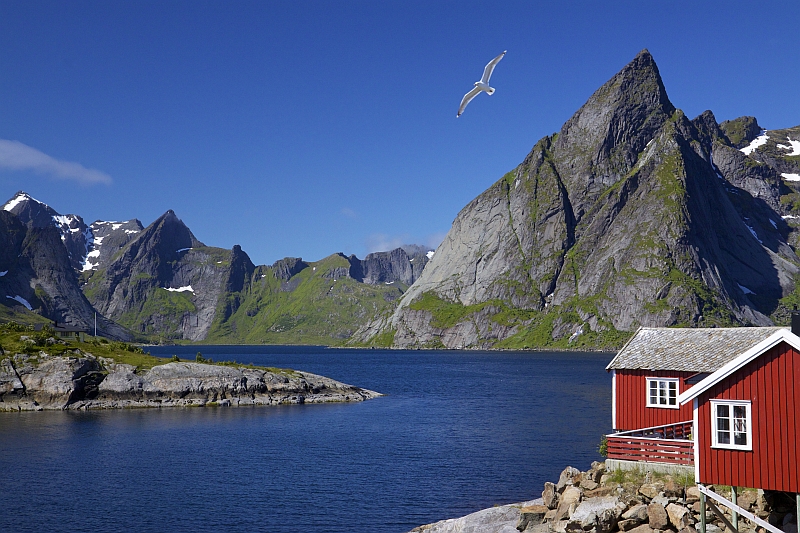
(487, 72)
(467, 99)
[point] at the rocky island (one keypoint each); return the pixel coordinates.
(43, 372)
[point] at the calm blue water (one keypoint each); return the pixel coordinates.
(457, 432)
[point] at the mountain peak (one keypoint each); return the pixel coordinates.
(603, 139)
(21, 197)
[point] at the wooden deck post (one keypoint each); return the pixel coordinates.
(797, 512)
(734, 515)
(703, 511)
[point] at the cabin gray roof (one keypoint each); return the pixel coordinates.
(686, 349)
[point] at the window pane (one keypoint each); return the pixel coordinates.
(740, 425)
(673, 393)
(723, 411)
(723, 437)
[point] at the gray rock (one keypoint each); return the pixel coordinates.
(567, 477)
(501, 519)
(599, 514)
(568, 502)
(636, 513)
(550, 495)
(657, 516)
(649, 490)
(679, 516)
(530, 516)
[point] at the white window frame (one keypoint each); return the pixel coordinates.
(748, 423)
(676, 381)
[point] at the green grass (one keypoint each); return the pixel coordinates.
(314, 307)
(119, 352)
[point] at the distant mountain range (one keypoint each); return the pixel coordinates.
(162, 284)
(632, 215)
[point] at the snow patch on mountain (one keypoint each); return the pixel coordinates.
(791, 177)
(761, 140)
(794, 146)
(745, 289)
(21, 197)
(187, 288)
(21, 300)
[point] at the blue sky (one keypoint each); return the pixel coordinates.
(306, 128)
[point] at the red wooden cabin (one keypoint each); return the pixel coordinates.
(649, 375)
(746, 417)
(726, 401)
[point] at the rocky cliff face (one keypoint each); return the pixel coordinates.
(631, 215)
(397, 265)
(299, 302)
(37, 275)
(75, 235)
(166, 283)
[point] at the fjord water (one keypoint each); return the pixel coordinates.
(455, 433)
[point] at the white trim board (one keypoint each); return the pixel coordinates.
(744, 512)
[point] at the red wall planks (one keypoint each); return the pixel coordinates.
(769, 384)
(631, 400)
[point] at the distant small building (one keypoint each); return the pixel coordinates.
(66, 332)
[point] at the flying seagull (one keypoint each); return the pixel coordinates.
(482, 85)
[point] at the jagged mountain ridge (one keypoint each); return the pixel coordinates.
(630, 215)
(162, 283)
(37, 275)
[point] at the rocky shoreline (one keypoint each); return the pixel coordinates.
(82, 381)
(598, 501)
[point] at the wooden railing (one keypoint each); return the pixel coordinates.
(660, 444)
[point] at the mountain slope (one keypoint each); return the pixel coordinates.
(37, 276)
(164, 283)
(295, 302)
(621, 219)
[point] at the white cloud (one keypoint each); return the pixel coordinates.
(349, 213)
(435, 239)
(380, 242)
(17, 156)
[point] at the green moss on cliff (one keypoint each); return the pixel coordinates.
(319, 305)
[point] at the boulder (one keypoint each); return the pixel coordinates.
(747, 499)
(644, 528)
(589, 484)
(692, 495)
(679, 516)
(657, 516)
(596, 514)
(531, 515)
(650, 490)
(672, 489)
(568, 502)
(550, 495)
(501, 519)
(567, 478)
(637, 513)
